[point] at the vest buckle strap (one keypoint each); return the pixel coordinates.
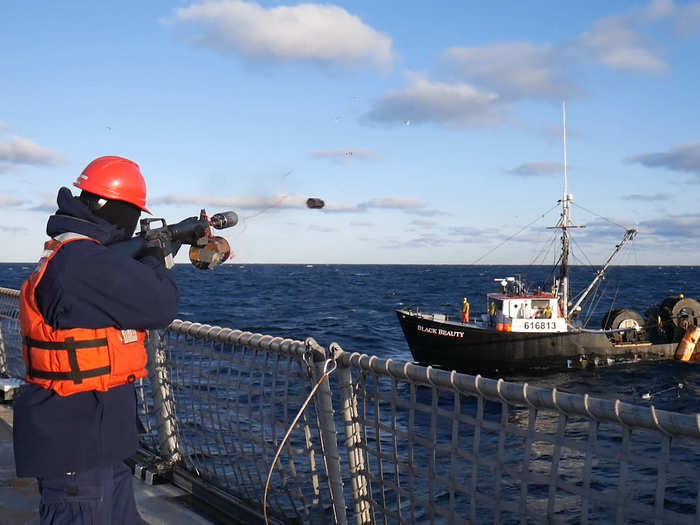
(64, 376)
(70, 345)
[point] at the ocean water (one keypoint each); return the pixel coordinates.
(353, 305)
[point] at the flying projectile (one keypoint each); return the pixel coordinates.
(315, 204)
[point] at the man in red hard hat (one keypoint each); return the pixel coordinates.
(83, 316)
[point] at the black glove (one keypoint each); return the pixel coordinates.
(175, 247)
(161, 248)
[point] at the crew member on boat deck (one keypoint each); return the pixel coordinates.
(465, 311)
(547, 311)
(83, 315)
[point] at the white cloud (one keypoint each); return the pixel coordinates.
(456, 237)
(13, 229)
(675, 227)
(684, 157)
(321, 229)
(397, 203)
(283, 202)
(44, 207)
(535, 169)
(622, 42)
(618, 42)
(422, 212)
(346, 154)
(422, 223)
(471, 232)
(658, 9)
(18, 150)
(423, 101)
(405, 204)
(6, 202)
(513, 69)
(246, 203)
(620, 48)
(314, 32)
(656, 197)
(688, 21)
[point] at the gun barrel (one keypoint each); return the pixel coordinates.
(222, 220)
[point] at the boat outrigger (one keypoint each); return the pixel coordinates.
(525, 330)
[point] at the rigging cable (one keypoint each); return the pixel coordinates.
(593, 268)
(546, 248)
(275, 203)
(612, 303)
(600, 216)
(592, 305)
(590, 264)
(515, 234)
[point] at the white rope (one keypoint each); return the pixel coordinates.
(326, 373)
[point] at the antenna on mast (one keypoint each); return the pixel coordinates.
(563, 114)
(565, 220)
(561, 283)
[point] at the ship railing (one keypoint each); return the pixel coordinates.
(385, 441)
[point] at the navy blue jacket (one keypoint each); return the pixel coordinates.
(87, 285)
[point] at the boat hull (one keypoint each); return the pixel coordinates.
(473, 348)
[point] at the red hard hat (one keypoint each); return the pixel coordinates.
(114, 178)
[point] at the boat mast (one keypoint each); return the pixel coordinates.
(565, 223)
(563, 290)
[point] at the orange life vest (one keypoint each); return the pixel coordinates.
(75, 360)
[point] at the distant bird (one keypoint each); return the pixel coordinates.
(109, 128)
(407, 122)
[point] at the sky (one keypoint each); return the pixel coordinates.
(433, 131)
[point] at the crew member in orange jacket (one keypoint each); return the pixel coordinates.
(83, 315)
(465, 311)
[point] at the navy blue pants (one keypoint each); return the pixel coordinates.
(99, 496)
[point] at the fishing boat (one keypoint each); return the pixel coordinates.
(526, 329)
(518, 334)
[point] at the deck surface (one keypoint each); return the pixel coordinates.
(19, 497)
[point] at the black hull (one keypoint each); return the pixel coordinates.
(470, 348)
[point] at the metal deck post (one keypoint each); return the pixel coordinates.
(3, 357)
(353, 442)
(162, 397)
(329, 436)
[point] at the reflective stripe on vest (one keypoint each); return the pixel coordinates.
(76, 359)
